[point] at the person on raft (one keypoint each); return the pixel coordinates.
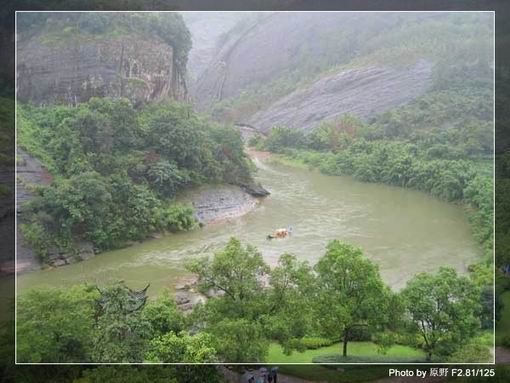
(281, 233)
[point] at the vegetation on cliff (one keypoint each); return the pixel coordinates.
(117, 169)
(167, 26)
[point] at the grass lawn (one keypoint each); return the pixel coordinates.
(368, 350)
(503, 325)
(344, 373)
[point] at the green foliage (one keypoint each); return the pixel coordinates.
(234, 271)
(239, 340)
(55, 325)
(448, 124)
(298, 307)
(334, 135)
(338, 358)
(471, 353)
(288, 314)
(254, 141)
(280, 138)
(443, 310)
(313, 343)
(166, 177)
(37, 236)
(117, 169)
(171, 347)
(350, 292)
(121, 331)
(163, 315)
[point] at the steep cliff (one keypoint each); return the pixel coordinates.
(74, 70)
(207, 30)
(296, 69)
(380, 89)
(69, 59)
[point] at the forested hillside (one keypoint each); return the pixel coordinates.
(117, 169)
(266, 81)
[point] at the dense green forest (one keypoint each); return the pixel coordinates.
(117, 169)
(341, 298)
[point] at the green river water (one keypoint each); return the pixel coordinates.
(403, 231)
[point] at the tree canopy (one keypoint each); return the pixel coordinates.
(116, 170)
(442, 308)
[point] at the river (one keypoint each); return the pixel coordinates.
(403, 231)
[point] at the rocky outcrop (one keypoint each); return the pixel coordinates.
(288, 65)
(31, 172)
(254, 189)
(262, 49)
(187, 295)
(363, 92)
(72, 70)
(222, 202)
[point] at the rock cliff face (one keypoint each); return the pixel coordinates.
(222, 202)
(317, 50)
(206, 30)
(363, 92)
(72, 70)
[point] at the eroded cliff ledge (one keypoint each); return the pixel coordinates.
(72, 70)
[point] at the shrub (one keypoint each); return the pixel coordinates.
(471, 353)
(313, 343)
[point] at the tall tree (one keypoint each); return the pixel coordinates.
(121, 332)
(235, 271)
(350, 292)
(442, 309)
(289, 315)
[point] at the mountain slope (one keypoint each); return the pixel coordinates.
(299, 68)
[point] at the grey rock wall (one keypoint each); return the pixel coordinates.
(73, 70)
(362, 91)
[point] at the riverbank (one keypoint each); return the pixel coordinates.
(212, 204)
(392, 225)
(474, 196)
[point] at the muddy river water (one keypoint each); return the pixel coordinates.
(403, 231)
